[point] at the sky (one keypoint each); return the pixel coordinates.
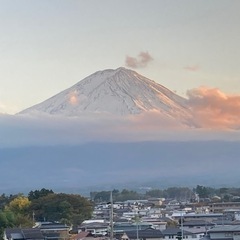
(48, 46)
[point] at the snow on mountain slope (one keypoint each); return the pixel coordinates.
(119, 92)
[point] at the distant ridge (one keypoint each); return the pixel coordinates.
(118, 92)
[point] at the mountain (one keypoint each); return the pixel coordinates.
(119, 92)
(101, 165)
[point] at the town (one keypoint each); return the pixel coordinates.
(173, 213)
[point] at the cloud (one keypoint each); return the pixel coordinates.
(45, 130)
(141, 61)
(192, 68)
(214, 109)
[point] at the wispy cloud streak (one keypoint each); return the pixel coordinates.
(192, 68)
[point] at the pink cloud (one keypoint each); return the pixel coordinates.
(214, 109)
(141, 61)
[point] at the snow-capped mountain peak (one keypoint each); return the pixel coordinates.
(119, 92)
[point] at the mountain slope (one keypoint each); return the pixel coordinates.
(118, 92)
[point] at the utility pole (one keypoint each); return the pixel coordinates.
(111, 216)
(137, 225)
(182, 225)
(137, 229)
(33, 217)
(180, 233)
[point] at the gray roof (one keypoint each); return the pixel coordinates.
(196, 230)
(226, 228)
(224, 222)
(126, 227)
(93, 225)
(202, 215)
(174, 231)
(25, 233)
(16, 236)
(147, 233)
(49, 226)
(15, 231)
(49, 235)
(32, 233)
(193, 223)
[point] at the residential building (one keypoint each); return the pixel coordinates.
(95, 228)
(231, 232)
(23, 234)
(221, 207)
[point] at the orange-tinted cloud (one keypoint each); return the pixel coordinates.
(140, 61)
(214, 109)
(192, 68)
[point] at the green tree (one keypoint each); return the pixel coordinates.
(39, 193)
(155, 193)
(103, 196)
(129, 195)
(63, 207)
(202, 191)
(179, 193)
(5, 200)
(3, 223)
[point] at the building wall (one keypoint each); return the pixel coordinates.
(223, 235)
(188, 237)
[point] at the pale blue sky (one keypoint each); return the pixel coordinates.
(47, 46)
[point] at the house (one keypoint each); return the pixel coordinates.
(80, 236)
(198, 223)
(156, 201)
(95, 228)
(197, 233)
(126, 227)
(222, 206)
(23, 234)
(85, 236)
(53, 231)
(173, 233)
(157, 223)
(230, 232)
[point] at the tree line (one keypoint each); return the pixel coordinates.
(178, 193)
(43, 205)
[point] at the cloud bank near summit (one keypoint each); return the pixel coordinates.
(43, 130)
